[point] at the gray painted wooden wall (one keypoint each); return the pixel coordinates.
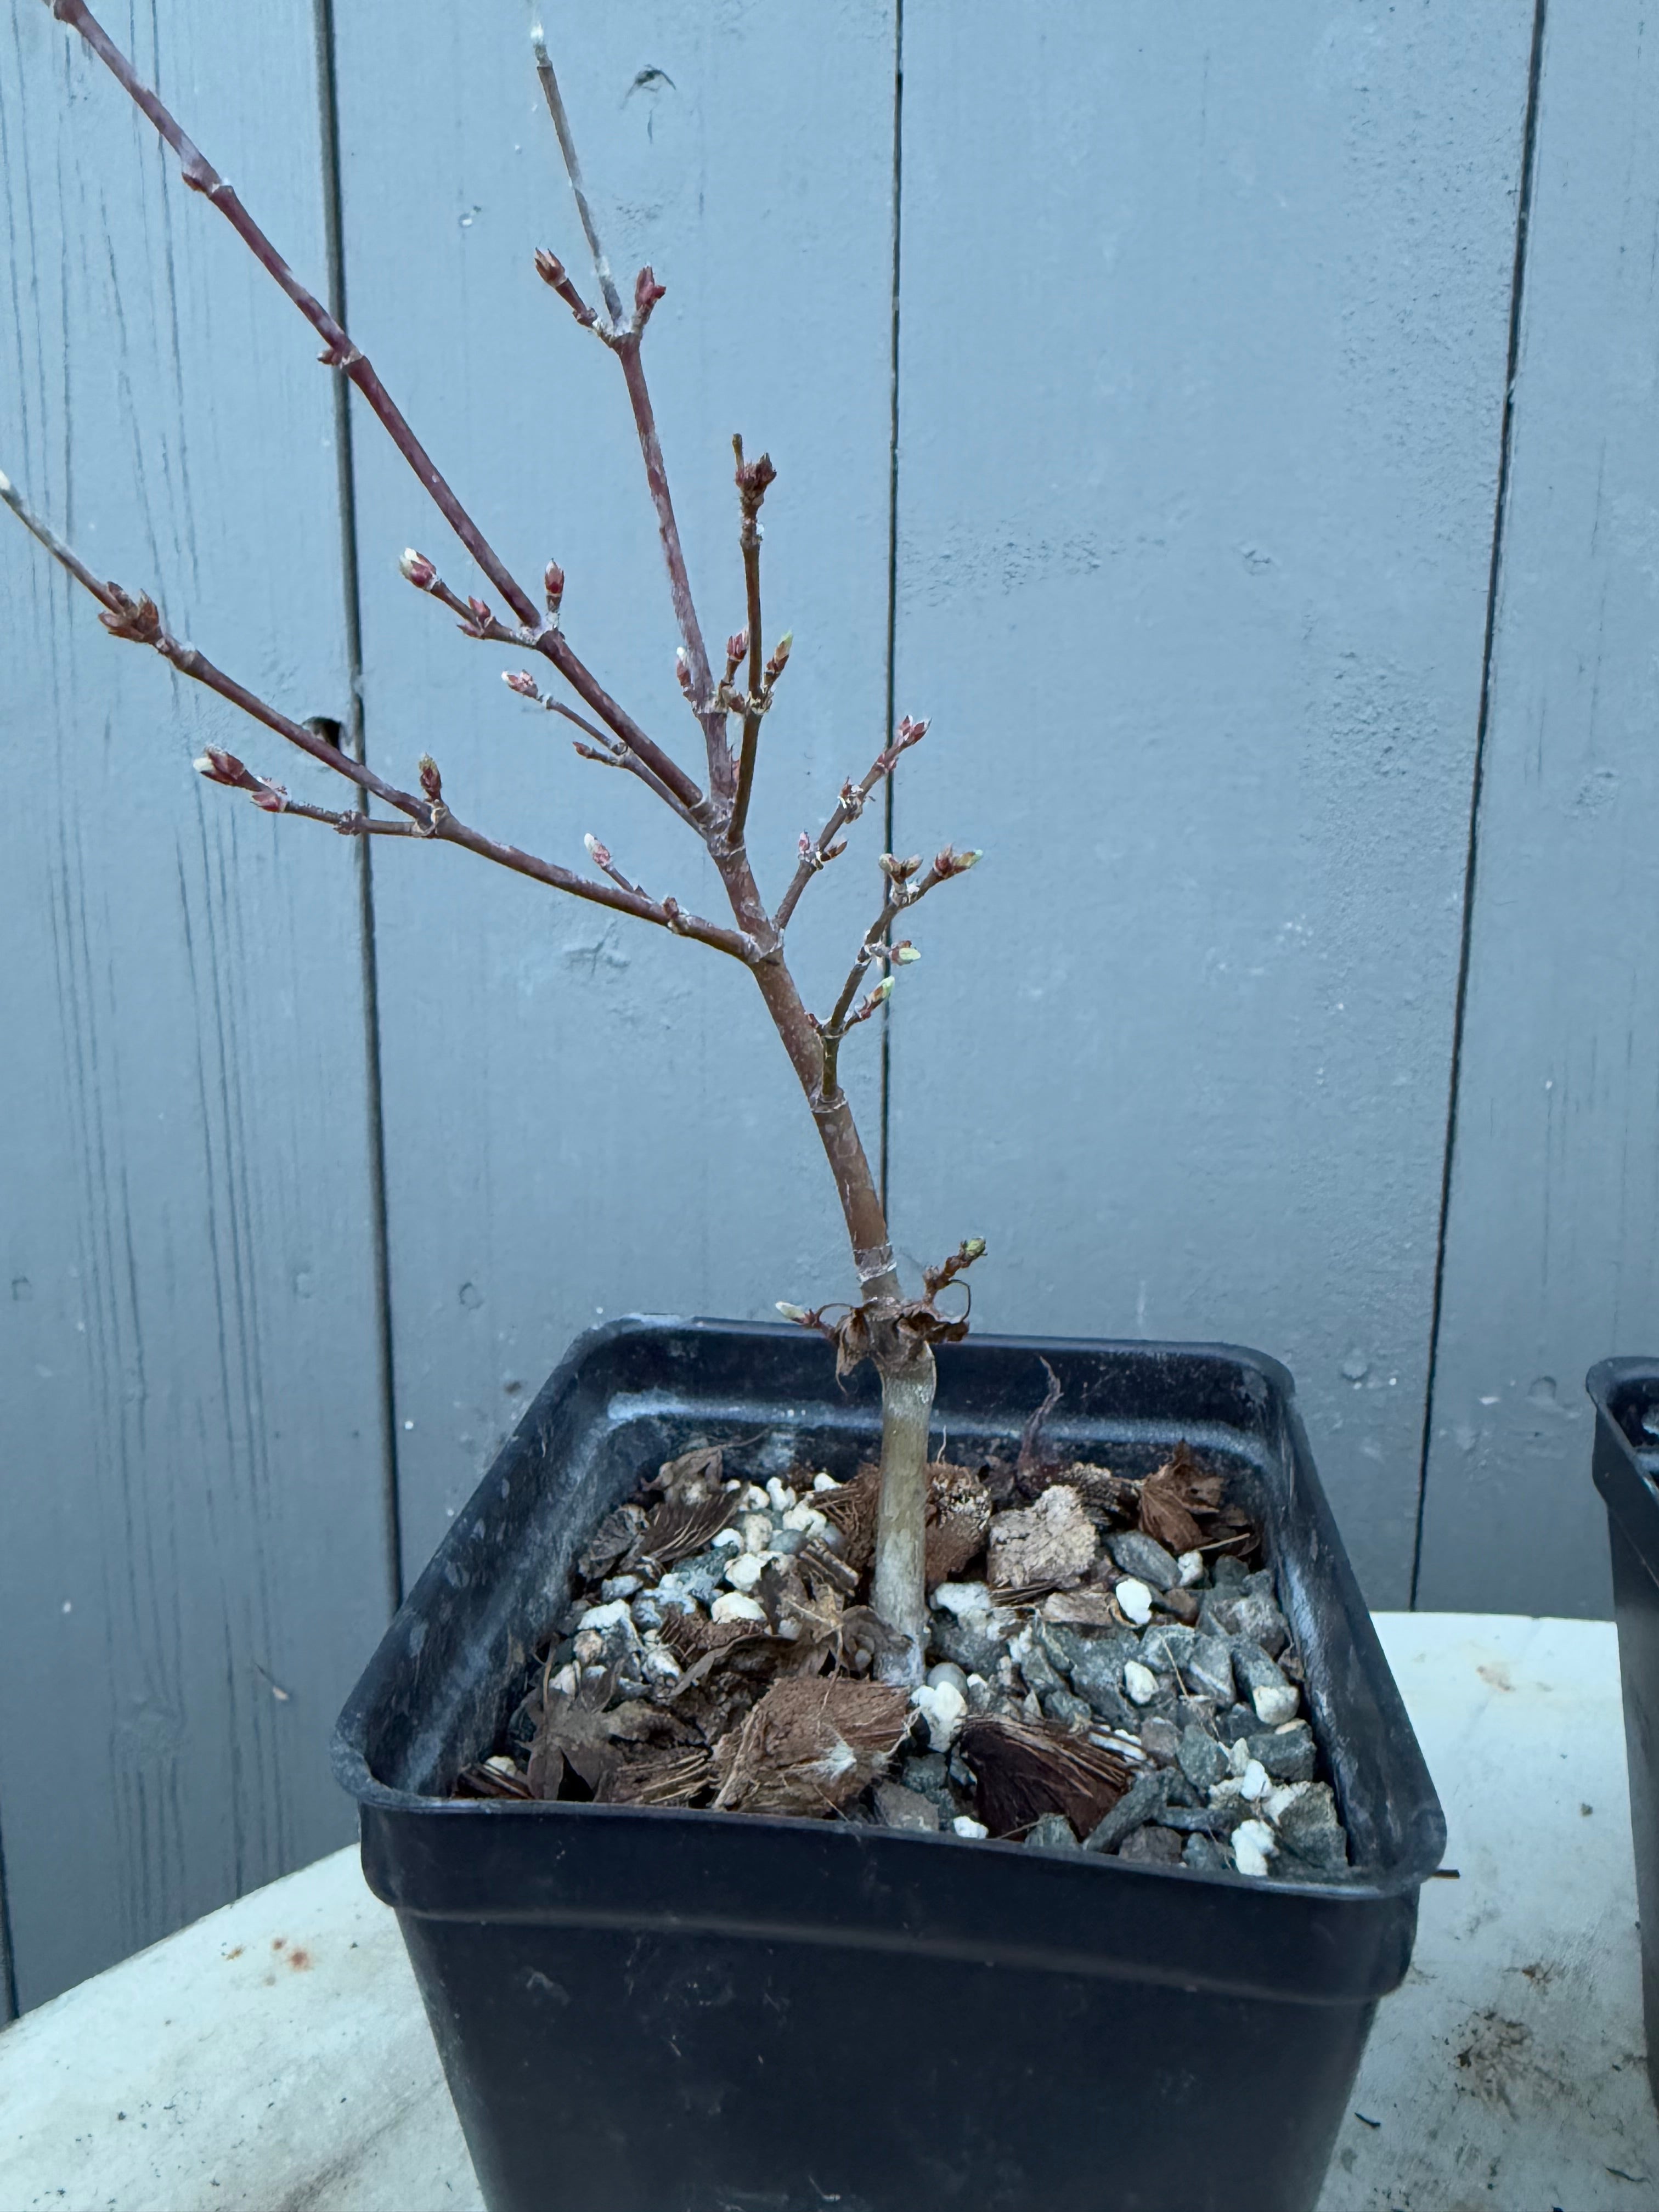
(1252, 470)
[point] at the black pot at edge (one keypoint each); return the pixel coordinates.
(1625, 1466)
(651, 2011)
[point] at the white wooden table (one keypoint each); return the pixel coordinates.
(274, 2058)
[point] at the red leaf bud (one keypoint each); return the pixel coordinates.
(431, 781)
(219, 766)
(646, 292)
(683, 669)
(521, 681)
(599, 854)
(553, 585)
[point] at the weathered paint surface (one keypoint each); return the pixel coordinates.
(1204, 337)
(191, 1560)
(583, 1115)
(1551, 1260)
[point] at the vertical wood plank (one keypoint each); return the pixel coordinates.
(584, 1116)
(192, 1563)
(1551, 1257)
(1202, 374)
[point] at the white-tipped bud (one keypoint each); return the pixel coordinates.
(417, 569)
(792, 1313)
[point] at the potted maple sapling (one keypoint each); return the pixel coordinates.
(776, 1814)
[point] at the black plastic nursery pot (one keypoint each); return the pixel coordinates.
(681, 2011)
(1626, 1465)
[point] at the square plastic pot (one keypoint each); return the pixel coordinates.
(653, 2011)
(1625, 1466)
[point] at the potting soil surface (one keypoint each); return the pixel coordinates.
(275, 2056)
(1109, 1668)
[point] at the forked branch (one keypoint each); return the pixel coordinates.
(339, 352)
(816, 853)
(139, 621)
(622, 335)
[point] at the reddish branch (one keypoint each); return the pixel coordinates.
(339, 352)
(139, 621)
(816, 853)
(897, 1334)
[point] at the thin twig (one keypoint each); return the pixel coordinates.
(720, 766)
(139, 621)
(348, 822)
(842, 1018)
(339, 352)
(54, 544)
(608, 750)
(623, 337)
(904, 889)
(476, 620)
(753, 477)
(572, 169)
(816, 851)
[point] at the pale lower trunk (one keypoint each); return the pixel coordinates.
(900, 1592)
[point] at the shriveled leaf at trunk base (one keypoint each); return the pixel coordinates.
(1025, 1771)
(810, 1746)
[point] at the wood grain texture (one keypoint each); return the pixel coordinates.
(1551, 1259)
(584, 1116)
(192, 1563)
(1201, 369)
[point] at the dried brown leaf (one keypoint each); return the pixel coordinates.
(692, 1478)
(1165, 1519)
(615, 1534)
(580, 1729)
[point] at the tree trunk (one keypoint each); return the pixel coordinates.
(900, 1593)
